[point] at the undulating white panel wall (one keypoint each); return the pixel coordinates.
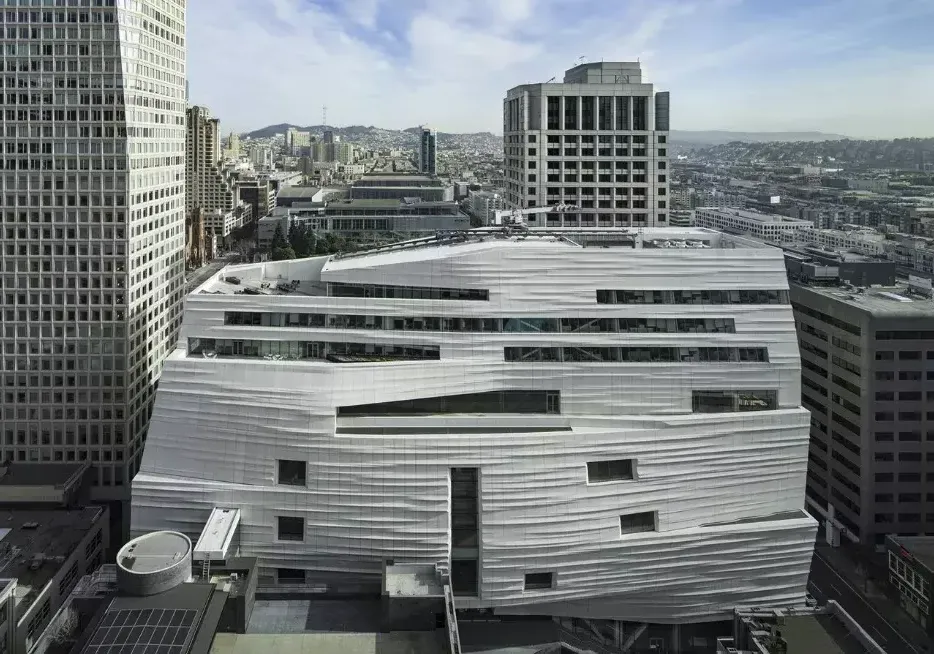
(221, 424)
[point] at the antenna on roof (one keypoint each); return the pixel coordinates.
(550, 81)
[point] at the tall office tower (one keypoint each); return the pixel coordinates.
(427, 152)
(295, 140)
(602, 432)
(93, 241)
(868, 380)
(598, 141)
(208, 187)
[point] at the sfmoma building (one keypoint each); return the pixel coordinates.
(599, 426)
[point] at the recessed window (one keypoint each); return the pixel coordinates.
(540, 581)
(290, 528)
(734, 401)
(635, 523)
(616, 470)
(292, 473)
(290, 576)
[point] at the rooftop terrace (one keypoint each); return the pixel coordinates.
(303, 276)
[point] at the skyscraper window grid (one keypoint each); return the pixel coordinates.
(92, 184)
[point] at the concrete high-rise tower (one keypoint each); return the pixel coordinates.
(208, 187)
(92, 235)
(598, 141)
(427, 152)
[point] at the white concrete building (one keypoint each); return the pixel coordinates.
(607, 432)
(598, 141)
(681, 218)
(864, 241)
(764, 226)
(93, 235)
(261, 157)
(485, 204)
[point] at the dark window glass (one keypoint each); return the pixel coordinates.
(465, 534)
(588, 104)
(489, 402)
(554, 112)
(290, 576)
(733, 401)
(539, 580)
(634, 523)
(616, 470)
(570, 112)
(292, 473)
(290, 528)
(606, 113)
(639, 112)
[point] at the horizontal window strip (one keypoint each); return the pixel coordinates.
(341, 289)
(692, 297)
(507, 401)
(484, 325)
(492, 429)
(305, 350)
(734, 401)
(638, 354)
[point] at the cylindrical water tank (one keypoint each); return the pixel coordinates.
(154, 563)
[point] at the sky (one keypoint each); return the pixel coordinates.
(862, 68)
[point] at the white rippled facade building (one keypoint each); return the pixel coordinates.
(607, 432)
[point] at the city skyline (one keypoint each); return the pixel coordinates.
(840, 67)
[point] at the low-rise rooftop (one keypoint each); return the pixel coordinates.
(404, 179)
(758, 217)
(921, 548)
(58, 475)
(880, 301)
(290, 192)
(324, 626)
(825, 630)
(35, 543)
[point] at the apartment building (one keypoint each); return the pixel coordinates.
(763, 226)
(484, 205)
(598, 141)
(208, 186)
(868, 242)
(867, 360)
(93, 230)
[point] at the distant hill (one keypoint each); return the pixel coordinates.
(903, 154)
(343, 132)
(719, 137)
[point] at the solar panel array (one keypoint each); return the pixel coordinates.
(143, 631)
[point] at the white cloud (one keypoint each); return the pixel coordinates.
(448, 63)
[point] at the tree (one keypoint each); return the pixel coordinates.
(302, 240)
(278, 239)
(280, 254)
